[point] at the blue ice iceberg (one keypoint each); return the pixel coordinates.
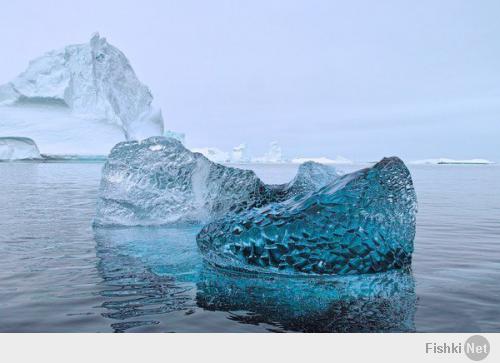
(158, 181)
(363, 222)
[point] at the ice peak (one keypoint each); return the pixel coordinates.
(95, 82)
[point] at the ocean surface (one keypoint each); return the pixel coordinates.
(58, 274)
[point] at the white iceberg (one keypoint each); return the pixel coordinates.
(82, 99)
(240, 154)
(213, 154)
(273, 156)
(18, 148)
(450, 161)
(339, 160)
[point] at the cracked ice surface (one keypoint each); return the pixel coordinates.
(362, 222)
(158, 181)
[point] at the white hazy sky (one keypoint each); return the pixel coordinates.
(363, 79)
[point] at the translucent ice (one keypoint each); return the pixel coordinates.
(360, 223)
(146, 271)
(382, 302)
(158, 181)
(18, 148)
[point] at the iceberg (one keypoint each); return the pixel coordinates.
(240, 154)
(82, 99)
(158, 181)
(310, 177)
(450, 161)
(213, 154)
(18, 148)
(273, 156)
(339, 160)
(363, 222)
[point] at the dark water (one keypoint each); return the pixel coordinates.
(58, 274)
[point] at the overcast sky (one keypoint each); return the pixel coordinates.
(362, 79)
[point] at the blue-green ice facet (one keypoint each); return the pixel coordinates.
(363, 222)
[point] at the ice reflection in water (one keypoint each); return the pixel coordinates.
(150, 272)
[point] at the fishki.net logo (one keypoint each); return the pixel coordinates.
(475, 348)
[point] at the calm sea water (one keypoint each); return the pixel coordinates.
(58, 274)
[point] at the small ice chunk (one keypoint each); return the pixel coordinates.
(18, 148)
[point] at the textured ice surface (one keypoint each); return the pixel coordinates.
(158, 181)
(362, 222)
(81, 99)
(18, 148)
(148, 271)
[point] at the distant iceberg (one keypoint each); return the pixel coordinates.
(18, 148)
(240, 154)
(273, 156)
(213, 154)
(339, 160)
(158, 181)
(82, 99)
(450, 161)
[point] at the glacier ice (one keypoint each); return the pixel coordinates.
(158, 181)
(361, 222)
(18, 148)
(81, 99)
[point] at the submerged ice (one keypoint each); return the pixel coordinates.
(361, 222)
(158, 181)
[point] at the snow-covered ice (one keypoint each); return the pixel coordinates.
(158, 181)
(81, 99)
(18, 148)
